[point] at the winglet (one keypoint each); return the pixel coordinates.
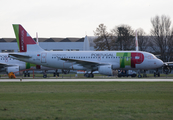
(24, 39)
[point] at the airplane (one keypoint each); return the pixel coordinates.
(102, 61)
(8, 64)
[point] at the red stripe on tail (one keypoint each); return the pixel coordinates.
(24, 39)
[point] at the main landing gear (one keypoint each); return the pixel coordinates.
(26, 74)
(144, 74)
(89, 75)
(139, 74)
(157, 73)
(56, 73)
(44, 74)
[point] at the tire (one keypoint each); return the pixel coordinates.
(44, 76)
(133, 75)
(139, 76)
(91, 75)
(158, 74)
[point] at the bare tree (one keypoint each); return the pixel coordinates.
(102, 41)
(143, 42)
(160, 33)
(170, 46)
(125, 37)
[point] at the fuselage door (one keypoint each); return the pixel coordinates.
(6, 59)
(43, 57)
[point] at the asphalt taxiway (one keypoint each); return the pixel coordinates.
(86, 80)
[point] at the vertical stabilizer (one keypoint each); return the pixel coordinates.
(24, 40)
(137, 49)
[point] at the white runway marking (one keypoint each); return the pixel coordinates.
(86, 80)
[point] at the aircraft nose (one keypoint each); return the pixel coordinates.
(160, 63)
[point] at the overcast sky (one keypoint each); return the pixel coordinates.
(77, 18)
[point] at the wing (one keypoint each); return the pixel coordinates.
(3, 65)
(19, 56)
(84, 63)
(168, 63)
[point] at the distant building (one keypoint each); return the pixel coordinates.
(49, 44)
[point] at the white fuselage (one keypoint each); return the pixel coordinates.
(79, 60)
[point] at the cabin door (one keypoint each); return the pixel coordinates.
(43, 57)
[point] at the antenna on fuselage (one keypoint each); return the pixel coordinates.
(37, 38)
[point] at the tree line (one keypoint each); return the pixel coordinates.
(122, 37)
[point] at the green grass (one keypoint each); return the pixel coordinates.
(86, 100)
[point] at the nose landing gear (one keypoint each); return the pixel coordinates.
(157, 73)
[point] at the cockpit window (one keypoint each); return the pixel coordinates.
(151, 57)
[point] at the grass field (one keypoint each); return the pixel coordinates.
(87, 100)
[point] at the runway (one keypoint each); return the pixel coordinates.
(86, 80)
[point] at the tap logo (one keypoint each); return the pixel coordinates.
(130, 59)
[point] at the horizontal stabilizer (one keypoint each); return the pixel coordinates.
(3, 65)
(20, 56)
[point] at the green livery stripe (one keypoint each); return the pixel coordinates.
(29, 65)
(16, 31)
(125, 59)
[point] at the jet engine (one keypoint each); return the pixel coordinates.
(106, 70)
(167, 69)
(13, 69)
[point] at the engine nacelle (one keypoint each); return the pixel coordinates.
(106, 70)
(167, 69)
(13, 69)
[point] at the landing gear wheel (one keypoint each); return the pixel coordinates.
(24, 74)
(86, 74)
(139, 76)
(44, 76)
(156, 74)
(89, 75)
(57, 74)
